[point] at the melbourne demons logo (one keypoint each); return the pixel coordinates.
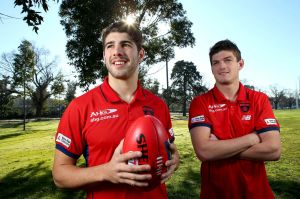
(148, 110)
(244, 107)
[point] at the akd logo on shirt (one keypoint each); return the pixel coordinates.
(217, 107)
(104, 114)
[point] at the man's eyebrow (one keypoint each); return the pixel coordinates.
(228, 57)
(110, 42)
(122, 42)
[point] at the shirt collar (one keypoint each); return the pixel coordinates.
(111, 96)
(241, 96)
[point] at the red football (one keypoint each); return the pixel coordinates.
(148, 135)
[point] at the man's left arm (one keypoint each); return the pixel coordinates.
(269, 149)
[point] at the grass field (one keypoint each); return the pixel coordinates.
(26, 161)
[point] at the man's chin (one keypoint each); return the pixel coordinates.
(225, 82)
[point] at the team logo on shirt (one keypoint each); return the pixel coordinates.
(63, 139)
(270, 121)
(199, 118)
(103, 114)
(148, 110)
(244, 107)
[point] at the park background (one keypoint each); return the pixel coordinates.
(266, 32)
(27, 158)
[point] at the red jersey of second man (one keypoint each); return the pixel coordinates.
(233, 178)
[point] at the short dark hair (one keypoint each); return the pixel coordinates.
(225, 45)
(121, 26)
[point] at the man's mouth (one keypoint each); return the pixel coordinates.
(119, 63)
(224, 73)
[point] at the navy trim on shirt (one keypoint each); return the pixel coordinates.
(62, 149)
(199, 124)
(271, 128)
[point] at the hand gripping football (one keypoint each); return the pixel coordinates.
(148, 135)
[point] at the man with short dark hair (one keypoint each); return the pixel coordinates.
(95, 124)
(233, 131)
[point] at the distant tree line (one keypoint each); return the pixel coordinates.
(280, 98)
(30, 84)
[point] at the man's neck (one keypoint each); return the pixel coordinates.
(124, 88)
(229, 91)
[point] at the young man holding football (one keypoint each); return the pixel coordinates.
(233, 131)
(95, 124)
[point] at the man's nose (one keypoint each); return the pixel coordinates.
(222, 64)
(118, 51)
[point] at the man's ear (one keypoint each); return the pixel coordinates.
(141, 55)
(241, 64)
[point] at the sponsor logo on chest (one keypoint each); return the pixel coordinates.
(104, 114)
(217, 107)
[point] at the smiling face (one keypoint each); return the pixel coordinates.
(121, 56)
(225, 67)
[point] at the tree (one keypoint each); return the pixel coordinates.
(289, 99)
(187, 82)
(5, 97)
(84, 20)
(58, 88)
(44, 78)
(33, 17)
(32, 75)
(152, 85)
(23, 70)
(71, 91)
(277, 95)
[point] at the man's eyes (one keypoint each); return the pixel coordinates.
(126, 45)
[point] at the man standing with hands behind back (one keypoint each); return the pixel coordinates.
(95, 124)
(233, 131)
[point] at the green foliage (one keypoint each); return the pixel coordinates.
(152, 85)
(5, 98)
(27, 158)
(187, 82)
(23, 63)
(58, 85)
(71, 90)
(33, 17)
(28, 74)
(83, 22)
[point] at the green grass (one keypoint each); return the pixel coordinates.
(27, 157)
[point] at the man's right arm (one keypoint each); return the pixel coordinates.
(67, 175)
(213, 149)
